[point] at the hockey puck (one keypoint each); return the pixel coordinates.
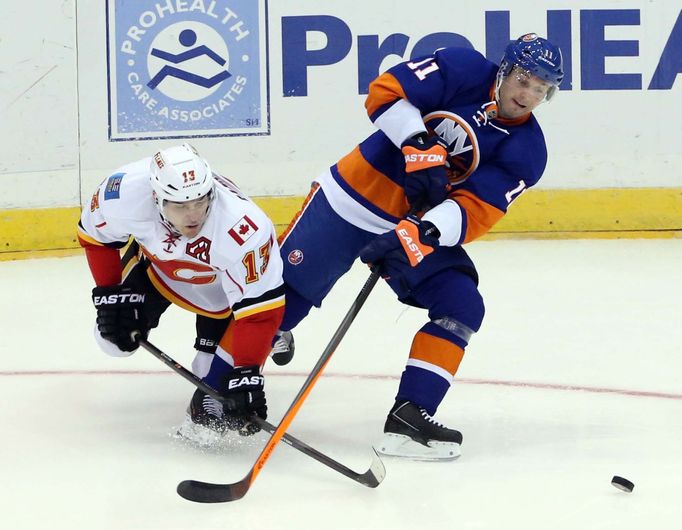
(622, 484)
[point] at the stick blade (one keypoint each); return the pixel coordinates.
(376, 472)
(197, 491)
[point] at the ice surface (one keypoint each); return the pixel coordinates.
(576, 376)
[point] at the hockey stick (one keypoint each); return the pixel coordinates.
(198, 491)
(370, 478)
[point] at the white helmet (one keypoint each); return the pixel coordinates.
(179, 174)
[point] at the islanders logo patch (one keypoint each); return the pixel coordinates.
(295, 257)
(462, 143)
(187, 68)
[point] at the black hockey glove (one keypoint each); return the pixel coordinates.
(395, 253)
(243, 392)
(119, 313)
(426, 183)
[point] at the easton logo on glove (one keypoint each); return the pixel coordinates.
(418, 159)
(424, 160)
(248, 381)
(408, 234)
(122, 298)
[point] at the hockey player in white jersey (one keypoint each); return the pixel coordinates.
(194, 240)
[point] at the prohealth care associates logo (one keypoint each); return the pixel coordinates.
(187, 68)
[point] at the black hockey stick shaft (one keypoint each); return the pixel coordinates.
(370, 478)
(198, 491)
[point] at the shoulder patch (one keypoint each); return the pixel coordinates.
(243, 230)
(113, 187)
(94, 202)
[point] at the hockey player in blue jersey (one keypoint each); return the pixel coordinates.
(457, 144)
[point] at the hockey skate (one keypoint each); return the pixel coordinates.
(283, 347)
(411, 432)
(206, 421)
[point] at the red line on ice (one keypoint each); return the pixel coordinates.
(463, 381)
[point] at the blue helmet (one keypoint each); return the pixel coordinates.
(535, 55)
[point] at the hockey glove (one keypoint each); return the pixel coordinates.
(426, 183)
(119, 314)
(395, 253)
(243, 392)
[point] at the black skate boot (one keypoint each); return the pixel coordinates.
(210, 413)
(410, 432)
(282, 348)
(205, 422)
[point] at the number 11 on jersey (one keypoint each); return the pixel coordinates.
(429, 64)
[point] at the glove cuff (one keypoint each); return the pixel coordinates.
(244, 378)
(409, 233)
(116, 294)
(430, 231)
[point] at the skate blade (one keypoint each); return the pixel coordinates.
(405, 447)
(198, 434)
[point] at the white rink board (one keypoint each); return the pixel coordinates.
(54, 96)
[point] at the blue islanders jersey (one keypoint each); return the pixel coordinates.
(491, 160)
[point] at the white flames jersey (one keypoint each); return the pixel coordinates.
(233, 264)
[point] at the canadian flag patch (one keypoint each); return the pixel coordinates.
(243, 230)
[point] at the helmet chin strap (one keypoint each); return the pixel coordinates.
(505, 71)
(498, 83)
(159, 206)
(494, 110)
(170, 225)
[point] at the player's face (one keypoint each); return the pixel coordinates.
(187, 217)
(520, 93)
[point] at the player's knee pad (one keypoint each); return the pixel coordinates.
(456, 328)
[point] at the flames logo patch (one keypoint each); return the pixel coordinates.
(200, 249)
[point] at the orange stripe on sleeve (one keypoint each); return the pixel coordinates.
(481, 216)
(436, 351)
(382, 90)
(372, 184)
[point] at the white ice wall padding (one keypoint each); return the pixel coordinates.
(596, 139)
(38, 105)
